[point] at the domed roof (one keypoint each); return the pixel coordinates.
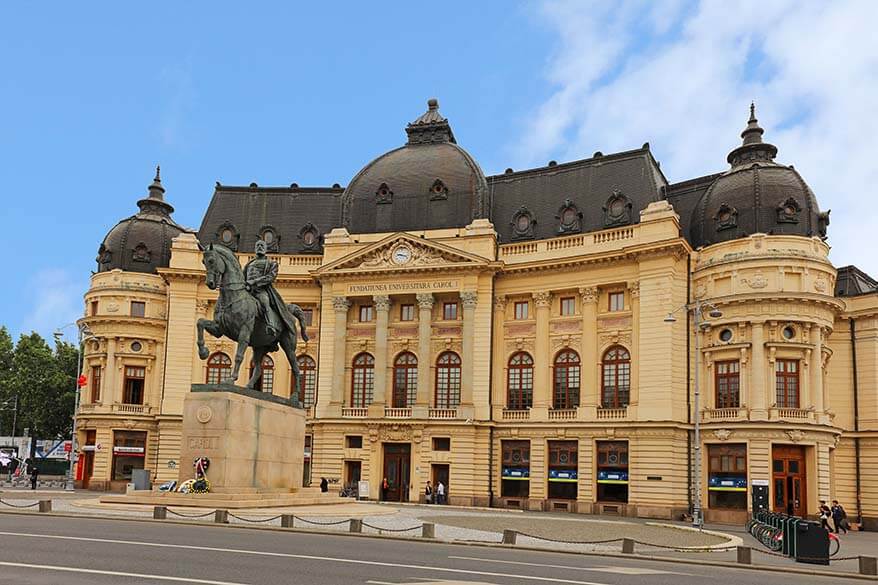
(430, 182)
(756, 195)
(142, 242)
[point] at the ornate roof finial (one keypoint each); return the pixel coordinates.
(158, 174)
(156, 191)
(430, 127)
(752, 148)
(155, 200)
(752, 112)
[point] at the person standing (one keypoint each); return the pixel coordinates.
(324, 485)
(440, 492)
(385, 485)
(34, 475)
(428, 493)
(839, 517)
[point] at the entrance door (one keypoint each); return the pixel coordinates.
(88, 466)
(789, 479)
(397, 467)
(439, 472)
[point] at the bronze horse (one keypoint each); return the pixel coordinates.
(238, 316)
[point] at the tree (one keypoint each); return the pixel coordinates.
(7, 396)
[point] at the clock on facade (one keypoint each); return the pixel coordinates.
(402, 254)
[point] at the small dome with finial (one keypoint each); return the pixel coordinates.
(142, 242)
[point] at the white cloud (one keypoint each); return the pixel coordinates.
(56, 300)
(681, 76)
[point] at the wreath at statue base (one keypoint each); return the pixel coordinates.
(199, 485)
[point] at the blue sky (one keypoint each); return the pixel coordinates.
(93, 95)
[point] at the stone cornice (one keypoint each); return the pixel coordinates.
(677, 248)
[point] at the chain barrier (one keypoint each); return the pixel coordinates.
(252, 520)
(547, 539)
(698, 549)
(205, 515)
(380, 529)
(345, 521)
(11, 505)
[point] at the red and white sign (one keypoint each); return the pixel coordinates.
(68, 446)
(133, 451)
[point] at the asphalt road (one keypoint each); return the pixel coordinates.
(45, 550)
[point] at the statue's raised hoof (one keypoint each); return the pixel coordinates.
(202, 352)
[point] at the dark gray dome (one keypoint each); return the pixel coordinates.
(142, 242)
(431, 182)
(756, 195)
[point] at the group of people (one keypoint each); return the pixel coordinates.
(437, 495)
(834, 518)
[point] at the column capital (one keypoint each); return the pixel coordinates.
(589, 295)
(381, 302)
(341, 304)
(469, 299)
(425, 300)
(500, 303)
(634, 288)
(542, 298)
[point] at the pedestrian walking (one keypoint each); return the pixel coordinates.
(839, 517)
(428, 493)
(34, 474)
(440, 492)
(825, 516)
(324, 485)
(385, 485)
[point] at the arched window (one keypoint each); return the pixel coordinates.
(219, 367)
(448, 380)
(520, 382)
(566, 394)
(616, 379)
(405, 380)
(308, 386)
(266, 382)
(362, 380)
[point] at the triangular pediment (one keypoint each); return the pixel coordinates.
(403, 251)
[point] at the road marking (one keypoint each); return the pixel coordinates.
(137, 543)
(620, 570)
(117, 574)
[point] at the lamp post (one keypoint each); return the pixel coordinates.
(84, 334)
(697, 309)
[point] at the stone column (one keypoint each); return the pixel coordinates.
(498, 377)
(759, 399)
(109, 387)
(542, 377)
(339, 357)
(425, 331)
(590, 381)
(634, 291)
(469, 300)
(379, 393)
(816, 368)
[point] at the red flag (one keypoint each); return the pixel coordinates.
(82, 381)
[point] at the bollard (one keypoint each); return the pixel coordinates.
(221, 516)
(356, 525)
(428, 530)
(627, 546)
(509, 536)
(744, 553)
(160, 513)
(45, 506)
(287, 521)
(868, 565)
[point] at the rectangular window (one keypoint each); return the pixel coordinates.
(787, 383)
(134, 382)
(442, 443)
(727, 476)
(406, 312)
(309, 316)
(563, 469)
(617, 301)
(612, 466)
(449, 311)
(521, 310)
(515, 469)
(94, 308)
(138, 309)
(728, 384)
(95, 384)
(354, 441)
(129, 452)
(568, 306)
(367, 313)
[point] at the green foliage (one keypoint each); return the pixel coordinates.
(43, 379)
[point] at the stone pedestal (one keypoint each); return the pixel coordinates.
(253, 439)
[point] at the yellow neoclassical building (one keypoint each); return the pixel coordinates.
(509, 335)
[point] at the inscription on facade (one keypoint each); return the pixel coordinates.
(203, 442)
(403, 286)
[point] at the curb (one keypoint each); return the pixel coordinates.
(733, 540)
(635, 556)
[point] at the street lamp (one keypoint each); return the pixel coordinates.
(697, 309)
(84, 334)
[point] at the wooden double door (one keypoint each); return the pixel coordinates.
(397, 472)
(789, 480)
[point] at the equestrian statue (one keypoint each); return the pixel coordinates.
(250, 311)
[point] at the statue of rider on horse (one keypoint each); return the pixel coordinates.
(250, 311)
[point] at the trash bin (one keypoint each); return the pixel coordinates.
(140, 479)
(811, 543)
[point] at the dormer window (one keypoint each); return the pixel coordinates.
(438, 190)
(570, 218)
(617, 210)
(383, 194)
(310, 237)
(726, 217)
(523, 224)
(788, 211)
(227, 235)
(268, 235)
(140, 253)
